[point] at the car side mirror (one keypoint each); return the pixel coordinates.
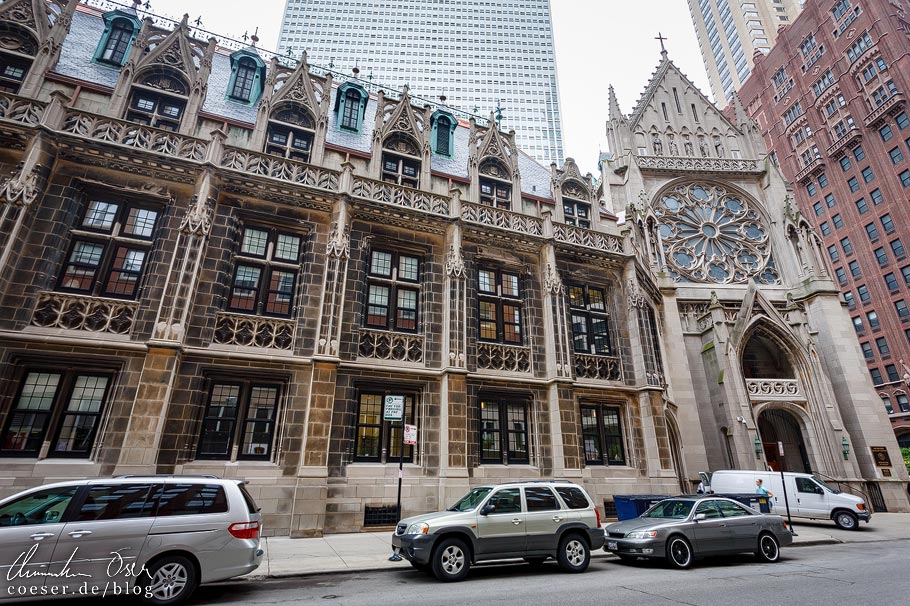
(819, 490)
(699, 517)
(487, 509)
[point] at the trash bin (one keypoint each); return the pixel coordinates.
(629, 506)
(757, 502)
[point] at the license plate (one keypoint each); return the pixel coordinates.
(611, 545)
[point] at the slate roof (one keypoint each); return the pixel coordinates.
(86, 31)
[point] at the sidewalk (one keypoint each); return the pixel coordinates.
(369, 551)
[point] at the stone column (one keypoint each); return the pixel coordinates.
(334, 281)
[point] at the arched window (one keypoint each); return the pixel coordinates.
(576, 208)
(291, 132)
(887, 402)
(159, 99)
(443, 136)
(244, 78)
(117, 44)
(495, 185)
(401, 161)
(350, 117)
(17, 49)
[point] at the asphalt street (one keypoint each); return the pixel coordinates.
(829, 575)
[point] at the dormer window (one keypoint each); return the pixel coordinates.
(118, 42)
(443, 133)
(247, 76)
(158, 100)
(577, 213)
(120, 30)
(17, 50)
(495, 189)
(243, 82)
(400, 161)
(291, 132)
(350, 105)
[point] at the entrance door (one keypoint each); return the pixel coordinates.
(781, 426)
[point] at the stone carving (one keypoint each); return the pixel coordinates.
(687, 146)
(636, 297)
(702, 147)
(671, 144)
(394, 346)
(405, 197)
(19, 190)
(455, 267)
(339, 244)
(253, 331)
(508, 358)
(264, 165)
(20, 110)
(503, 219)
(133, 135)
(587, 238)
(773, 388)
(718, 147)
(656, 145)
(198, 219)
(80, 312)
(552, 282)
(711, 235)
(694, 164)
(601, 368)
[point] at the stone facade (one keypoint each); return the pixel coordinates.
(199, 296)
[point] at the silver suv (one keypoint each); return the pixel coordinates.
(155, 537)
(531, 520)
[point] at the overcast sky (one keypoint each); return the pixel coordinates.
(598, 43)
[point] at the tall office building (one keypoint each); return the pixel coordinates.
(730, 31)
(481, 54)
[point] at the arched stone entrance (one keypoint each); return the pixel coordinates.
(776, 426)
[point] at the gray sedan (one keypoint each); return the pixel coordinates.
(684, 528)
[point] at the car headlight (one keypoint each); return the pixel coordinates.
(861, 506)
(418, 528)
(642, 534)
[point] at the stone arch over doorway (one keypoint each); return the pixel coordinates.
(783, 424)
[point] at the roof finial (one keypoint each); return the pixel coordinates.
(255, 37)
(442, 98)
(663, 49)
(356, 70)
(499, 111)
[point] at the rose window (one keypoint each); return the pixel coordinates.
(711, 235)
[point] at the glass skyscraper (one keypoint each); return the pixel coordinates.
(730, 31)
(483, 55)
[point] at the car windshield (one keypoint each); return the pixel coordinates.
(471, 500)
(831, 488)
(676, 509)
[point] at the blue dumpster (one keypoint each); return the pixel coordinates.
(629, 506)
(757, 502)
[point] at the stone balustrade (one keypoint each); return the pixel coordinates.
(501, 219)
(504, 358)
(81, 312)
(133, 135)
(600, 368)
(254, 331)
(283, 169)
(587, 238)
(392, 346)
(699, 165)
(397, 195)
(20, 109)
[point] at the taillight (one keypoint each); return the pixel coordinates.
(597, 511)
(244, 530)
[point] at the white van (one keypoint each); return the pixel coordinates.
(809, 497)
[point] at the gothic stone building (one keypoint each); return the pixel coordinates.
(214, 263)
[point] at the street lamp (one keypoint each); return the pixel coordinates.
(845, 447)
(758, 447)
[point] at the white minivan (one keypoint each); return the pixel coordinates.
(809, 497)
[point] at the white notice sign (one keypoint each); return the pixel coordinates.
(780, 448)
(393, 409)
(410, 434)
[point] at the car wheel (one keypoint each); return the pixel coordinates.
(573, 555)
(450, 560)
(172, 580)
(846, 520)
(768, 548)
(535, 562)
(679, 552)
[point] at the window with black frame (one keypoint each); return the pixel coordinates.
(265, 272)
(239, 422)
(244, 79)
(291, 132)
(118, 41)
(576, 212)
(393, 291)
(110, 249)
(503, 431)
(499, 306)
(379, 441)
(590, 320)
(59, 409)
(602, 436)
(495, 193)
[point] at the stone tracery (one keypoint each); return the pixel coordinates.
(712, 235)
